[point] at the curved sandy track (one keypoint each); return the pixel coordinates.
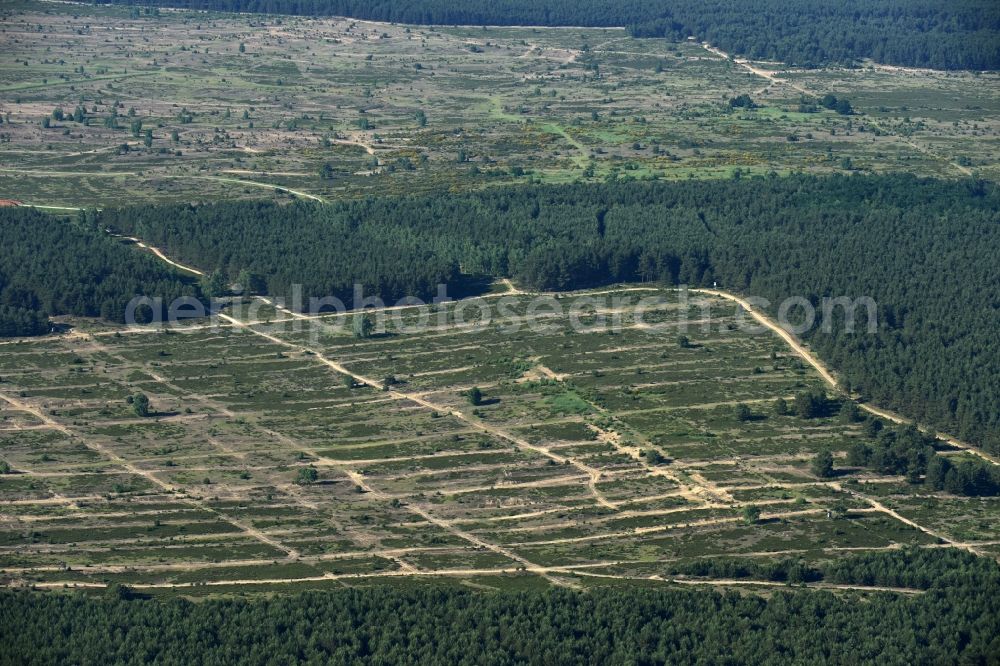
(830, 379)
(773, 78)
(579, 570)
(220, 179)
(163, 257)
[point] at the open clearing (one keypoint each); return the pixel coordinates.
(608, 453)
(342, 108)
(283, 451)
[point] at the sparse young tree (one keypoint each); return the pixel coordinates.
(937, 472)
(306, 476)
(654, 457)
(751, 514)
(843, 107)
(362, 326)
(850, 413)
(858, 454)
(872, 428)
(214, 284)
(810, 404)
(822, 465)
(140, 404)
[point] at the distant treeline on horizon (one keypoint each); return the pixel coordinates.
(936, 34)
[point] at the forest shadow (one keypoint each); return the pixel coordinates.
(469, 286)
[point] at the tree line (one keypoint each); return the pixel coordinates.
(956, 621)
(934, 356)
(957, 34)
(51, 266)
(909, 452)
(914, 568)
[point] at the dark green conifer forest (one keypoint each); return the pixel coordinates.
(955, 620)
(49, 267)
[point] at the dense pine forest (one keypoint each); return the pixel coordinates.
(961, 34)
(923, 249)
(49, 267)
(957, 620)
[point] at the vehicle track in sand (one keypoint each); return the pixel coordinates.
(772, 77)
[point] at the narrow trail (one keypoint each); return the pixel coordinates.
(766, 583)
(693, 492)
(547, 572)
(164, 257)
(115, 174)
(641, 531)
(68, 208)
(772, 77)
(248, 172)
(356, 140)
(146, 474)
(253, 183)
(511, 289)
(830, 379)
(878, 506)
